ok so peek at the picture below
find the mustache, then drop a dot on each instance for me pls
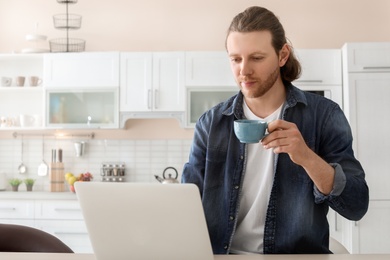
(246, 78)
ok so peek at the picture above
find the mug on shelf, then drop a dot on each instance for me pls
(34, 81)
(26, 120)
(6, 81)
(20, 81)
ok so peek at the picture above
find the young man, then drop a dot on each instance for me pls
(273, 196)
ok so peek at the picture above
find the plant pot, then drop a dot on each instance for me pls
(15, 188)
(29, 187)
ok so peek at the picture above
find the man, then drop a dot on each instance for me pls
(273, 196)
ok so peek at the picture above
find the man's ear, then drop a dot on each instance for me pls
(284, 53)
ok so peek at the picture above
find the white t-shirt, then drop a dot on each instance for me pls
(256, 190)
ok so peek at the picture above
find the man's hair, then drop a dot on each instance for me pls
(257, 18)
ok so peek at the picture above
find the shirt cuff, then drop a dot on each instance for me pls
(338, 184)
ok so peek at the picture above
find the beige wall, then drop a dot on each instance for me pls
(164, 25)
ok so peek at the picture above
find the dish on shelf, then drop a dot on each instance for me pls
(34, 50)
(36, 37)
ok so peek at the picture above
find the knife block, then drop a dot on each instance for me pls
(57, 178)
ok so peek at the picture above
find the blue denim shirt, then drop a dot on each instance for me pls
(296, 216)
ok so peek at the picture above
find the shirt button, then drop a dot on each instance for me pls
(241, 157)
(225, 247)
(236, 187)
(231, 218)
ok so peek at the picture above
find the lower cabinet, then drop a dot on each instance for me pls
(61, 218)
(72, 232)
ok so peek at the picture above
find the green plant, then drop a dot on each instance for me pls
(29, 181)
(15, 182)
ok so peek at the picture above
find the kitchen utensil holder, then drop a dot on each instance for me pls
(67, 22)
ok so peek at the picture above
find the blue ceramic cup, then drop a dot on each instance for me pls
(250, 131)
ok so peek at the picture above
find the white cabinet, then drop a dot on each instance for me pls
(208, 69)
(61, 218)
(20, 100)
(87, 69)
(209, 81)
(82, 108)
(64, 220)
(81, 90)
(152, 82)
(321, 72)
(366, 92)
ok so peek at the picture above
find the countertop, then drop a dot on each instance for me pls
(47, 256)
(37, 195)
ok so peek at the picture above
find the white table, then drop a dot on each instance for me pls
(44, 256)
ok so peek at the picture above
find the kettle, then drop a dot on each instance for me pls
(170, 179)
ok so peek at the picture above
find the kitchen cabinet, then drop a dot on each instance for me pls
(209, 81)
(366, 76)
(20, 100)
(86, 69)
(82, 108)
(61, 218)
(208, 69)
(321, 72)
(64, 220)
(81, 90)
(152, 81)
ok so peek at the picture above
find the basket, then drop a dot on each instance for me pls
(67, 45)
(67, 1)
(67, 21)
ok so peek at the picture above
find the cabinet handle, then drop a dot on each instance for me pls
(309, 81)
(64, 209)
(156, 99)
(377, 68)
(149, 99)
(7, 209)
(335, 222)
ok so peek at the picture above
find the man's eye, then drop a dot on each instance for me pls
(235, 60)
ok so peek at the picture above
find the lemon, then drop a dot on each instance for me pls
(68, 175)
(72, 180)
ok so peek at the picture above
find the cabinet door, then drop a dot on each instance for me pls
(367, 57)
(372, 233)
(152, 82)
(208, 69)
(16, 209)
(168, 81)
(72, 232)
(319, 67)
(368, 107)
(83, 108)
(136, 81)
(59, 209)
(100, 69)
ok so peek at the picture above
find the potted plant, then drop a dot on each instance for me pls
(15, 182)
(29, 183)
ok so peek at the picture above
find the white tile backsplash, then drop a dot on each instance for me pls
(143, 158)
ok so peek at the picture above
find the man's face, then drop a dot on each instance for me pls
(254, 62)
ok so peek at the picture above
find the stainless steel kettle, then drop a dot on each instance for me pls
(170, 179)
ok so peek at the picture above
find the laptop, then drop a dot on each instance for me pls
(144, 221)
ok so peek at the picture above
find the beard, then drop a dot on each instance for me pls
(262, 86)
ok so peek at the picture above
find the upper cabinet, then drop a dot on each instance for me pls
(367, 57)
(81, 90)
(87, 69)
(208, 69)
(319, 66)
(152, 82)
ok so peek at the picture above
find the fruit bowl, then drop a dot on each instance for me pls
(71, 179)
